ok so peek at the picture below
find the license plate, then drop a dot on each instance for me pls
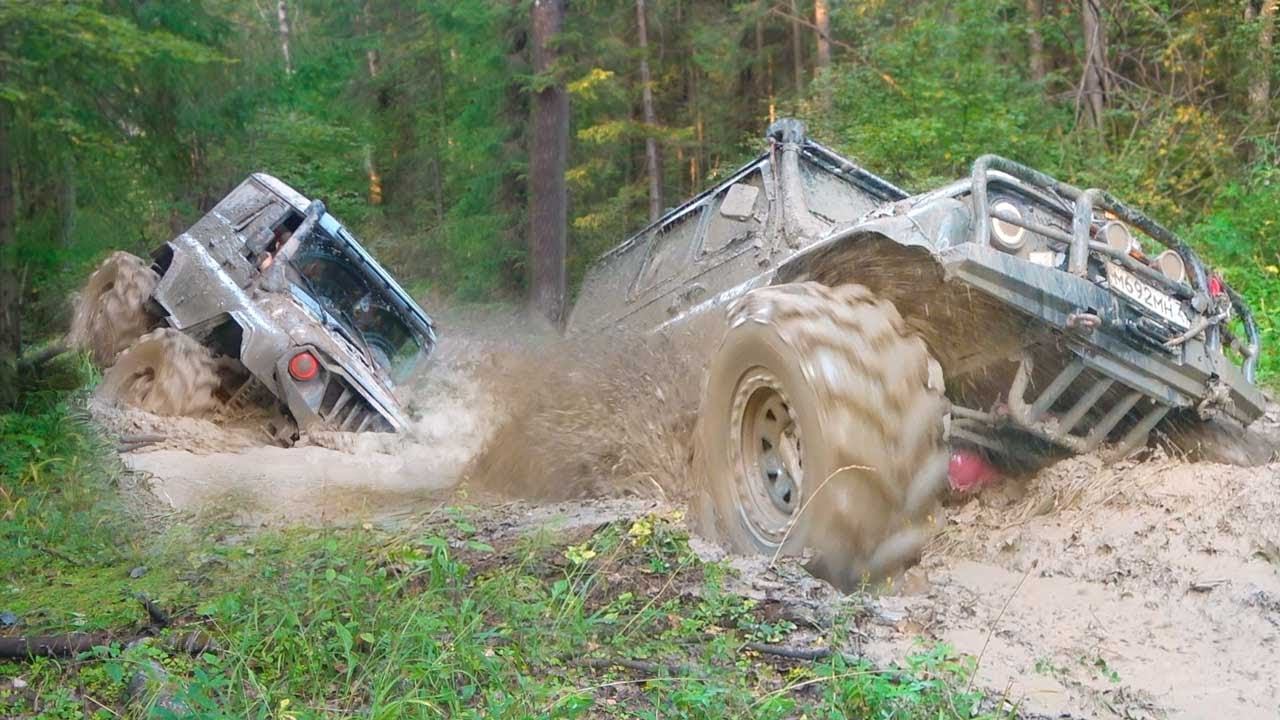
(1128, 285)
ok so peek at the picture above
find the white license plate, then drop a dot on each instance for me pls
(1128, 285)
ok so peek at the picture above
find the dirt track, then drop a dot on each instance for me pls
(1147, 590)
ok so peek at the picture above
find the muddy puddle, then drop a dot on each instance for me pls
(1137, 590)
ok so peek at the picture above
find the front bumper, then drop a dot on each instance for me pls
(1190, 376)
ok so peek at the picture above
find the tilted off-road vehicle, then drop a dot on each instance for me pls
(1057, 317)
(266, 300)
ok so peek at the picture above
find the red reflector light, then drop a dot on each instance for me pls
(304, 366)
(1215, 285)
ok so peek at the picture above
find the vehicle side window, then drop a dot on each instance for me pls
(832, 197)
(670, 250)
(739, 213)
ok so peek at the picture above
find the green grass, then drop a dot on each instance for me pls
(428, 621)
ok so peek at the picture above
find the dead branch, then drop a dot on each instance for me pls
(42, 358)
(637, 665)
(72, 644)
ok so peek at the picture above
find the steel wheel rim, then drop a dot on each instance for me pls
(767, 462)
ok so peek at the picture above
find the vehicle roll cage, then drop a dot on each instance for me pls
(1080, 242)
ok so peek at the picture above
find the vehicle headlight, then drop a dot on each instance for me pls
(1009, 236)
(1118, 237)
(1172, 265)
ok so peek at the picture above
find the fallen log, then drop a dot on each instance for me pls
(72, 644)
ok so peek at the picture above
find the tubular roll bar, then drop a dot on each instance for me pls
(1081, 242)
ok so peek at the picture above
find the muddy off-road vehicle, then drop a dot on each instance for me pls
(874, 338)
(267, 300)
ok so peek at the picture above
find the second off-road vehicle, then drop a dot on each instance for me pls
(870, 331)
(266, 300)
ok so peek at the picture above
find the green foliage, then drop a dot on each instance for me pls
(931, 97)
(1240, 237)
(432, 621)
(409, 118)
(44, 519)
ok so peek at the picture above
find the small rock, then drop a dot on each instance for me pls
(138, 572)
(8, 618)
(18, 683)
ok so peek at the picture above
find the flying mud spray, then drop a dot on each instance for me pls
(501, 411)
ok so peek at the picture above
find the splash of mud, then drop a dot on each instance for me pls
(165, 372)
(228, 467)
(602, 416)
(110, 311)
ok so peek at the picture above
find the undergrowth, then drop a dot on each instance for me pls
(423, 621)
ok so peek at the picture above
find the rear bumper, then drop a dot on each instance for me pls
(1191, 376)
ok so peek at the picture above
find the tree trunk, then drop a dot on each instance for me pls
(374, 66)
(67, 201)
(822, 28)
(548, 197)
(797, 48)
(653, 162)
(1260, 82)
(759, 71)
(282, 13)
(1035, 41)
(10, 299)
(1093, 86)
(371, 56)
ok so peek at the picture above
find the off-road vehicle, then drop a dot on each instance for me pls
(267, 298)
(1056, 316)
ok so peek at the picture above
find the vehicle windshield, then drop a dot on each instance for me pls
(345, 294)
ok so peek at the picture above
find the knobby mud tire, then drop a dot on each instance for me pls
(111, 311)
(165, 372)
(867, 411)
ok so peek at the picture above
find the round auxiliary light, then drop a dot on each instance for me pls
(1118, 237)
(1010, 236)
(1172, 265)
(304, 366)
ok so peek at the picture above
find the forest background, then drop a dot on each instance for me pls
(121, 121)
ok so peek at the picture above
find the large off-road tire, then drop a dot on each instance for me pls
(111, 311)
(165, 372)
(822, 427)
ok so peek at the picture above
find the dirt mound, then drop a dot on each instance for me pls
(1130, 590)
(605, 416)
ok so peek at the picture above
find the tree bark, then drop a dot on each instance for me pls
(1260, 82)
(10, 299)
(758, 73)
(822, 28)
(548, 196)
(652, 159)
(797, 49)
(1093, 86)
(371, 57)
(374, 66)
(1035, 40)
(282, 14)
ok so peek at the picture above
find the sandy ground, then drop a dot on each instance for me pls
(1143, 591)
(1146, 590)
